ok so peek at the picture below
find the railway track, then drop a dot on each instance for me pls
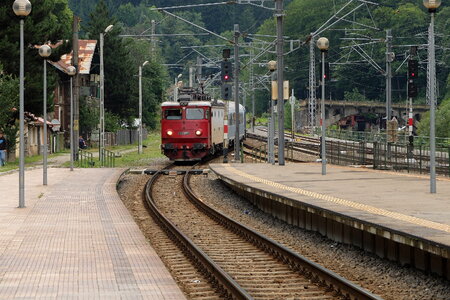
(238, 262)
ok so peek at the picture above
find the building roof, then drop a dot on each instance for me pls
(86, 49)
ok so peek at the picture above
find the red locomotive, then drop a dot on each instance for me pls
(193, 127)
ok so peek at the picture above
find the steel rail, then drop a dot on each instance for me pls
(300, 263)
(225, 283)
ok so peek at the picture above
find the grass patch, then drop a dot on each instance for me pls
(129, 156)
(29, 162)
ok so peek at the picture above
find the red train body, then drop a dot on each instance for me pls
(193, 127)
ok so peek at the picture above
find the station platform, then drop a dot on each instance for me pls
(390, 214)
(75, 239)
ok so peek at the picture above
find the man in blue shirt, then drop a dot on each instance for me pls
(2, 149)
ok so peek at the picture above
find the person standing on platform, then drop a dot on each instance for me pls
(82, 143)
(2, 150)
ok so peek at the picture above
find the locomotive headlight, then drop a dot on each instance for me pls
(169, 132)
(198, 132)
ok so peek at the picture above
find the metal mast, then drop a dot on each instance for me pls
(312, 84)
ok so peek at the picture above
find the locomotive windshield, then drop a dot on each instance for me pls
(172, 114)
(195, 114)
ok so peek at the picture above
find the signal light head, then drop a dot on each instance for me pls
(226, 77)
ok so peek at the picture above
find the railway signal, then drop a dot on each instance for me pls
(412, 75)
(226, 71)
(226, 91)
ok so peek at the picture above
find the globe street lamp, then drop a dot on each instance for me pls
(45, 51)
(432, 6)
(323, 45)
(22, 8)
(272, 66)
(102, 97)
(71, 71)
(140, 106)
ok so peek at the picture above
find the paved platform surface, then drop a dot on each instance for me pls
(75, 240)
(401, 202)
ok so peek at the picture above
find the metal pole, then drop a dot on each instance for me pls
(22, 121)
(102, 103)
(191, 76)
(140, 111)
(312, 85)
(252, 83)
(432, 108)
(272, 125)
(175, 90)
(153, 39)
(236, 92)
(388, 74)
(322, 119)
(44, 179)
(76, 92)
(388, 83)
(71, 124)
(293, 115)
(280, 71)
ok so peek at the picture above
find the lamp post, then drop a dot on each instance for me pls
(175, 89)
(22, 8)
(432, 6)
(71, 71)
(272, 65)
(323, 45)
(45, 51)
(140, 107)
(102, 97)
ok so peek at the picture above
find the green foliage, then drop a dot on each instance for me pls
(354, 96)
(112, 122)
(442, 121)
(117, 63)
(9, 103)
(49, 20)
(89, 116)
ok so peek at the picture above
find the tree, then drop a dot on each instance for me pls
(154, 79)
(117, 63)
(49, 20)
(442, 121)
(9, 103)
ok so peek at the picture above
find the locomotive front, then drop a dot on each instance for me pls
(185, 129)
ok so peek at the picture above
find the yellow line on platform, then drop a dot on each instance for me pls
(343, 202)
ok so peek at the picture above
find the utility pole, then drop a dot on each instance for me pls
(280, 78)
(76, 92)
(237, 142)
(153, 39)
(199, 69)
(191, 76)
(252, 85)
(389, 59)
(312, 84)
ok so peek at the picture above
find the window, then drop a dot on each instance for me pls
(207, 114)
(172, 114)
(194, 114)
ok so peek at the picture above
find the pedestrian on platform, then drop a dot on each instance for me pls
(3, 146)
(82, 143)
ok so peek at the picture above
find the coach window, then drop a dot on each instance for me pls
(195, 114)
(172, 114)
(207, 114)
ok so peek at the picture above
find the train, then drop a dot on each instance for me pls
(194, 126)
